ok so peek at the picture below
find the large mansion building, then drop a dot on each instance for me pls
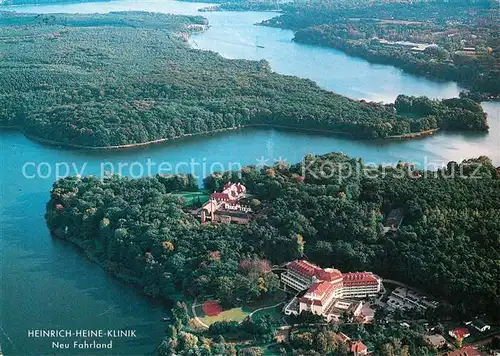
(327, 290)
(226, 206)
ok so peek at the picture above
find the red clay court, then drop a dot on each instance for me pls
(211, 308)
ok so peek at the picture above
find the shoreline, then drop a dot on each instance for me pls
(485, 97)
(206, 133)
(273, 126)
(413, 134)
(118, 147)
(164, 140)
(107, 268)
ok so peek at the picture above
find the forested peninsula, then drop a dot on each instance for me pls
(66, 79)
(447, 244)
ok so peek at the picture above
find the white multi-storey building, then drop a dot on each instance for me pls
(326, 286)
(361, 285)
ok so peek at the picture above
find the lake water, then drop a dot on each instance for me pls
(48, 284)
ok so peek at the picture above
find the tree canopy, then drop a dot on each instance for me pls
(447, 244)
(67, 79)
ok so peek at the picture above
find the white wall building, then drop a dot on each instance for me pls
(326, 286)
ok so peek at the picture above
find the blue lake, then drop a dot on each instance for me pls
(48, 284)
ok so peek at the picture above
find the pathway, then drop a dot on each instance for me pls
(193, 310)
(264, 308)
(397, 283)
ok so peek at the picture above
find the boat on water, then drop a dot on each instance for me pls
(162, 319)
(259, 46)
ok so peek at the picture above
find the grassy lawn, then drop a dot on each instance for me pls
(272, 312)
(240, 313)
(190, 197)
(234, 314)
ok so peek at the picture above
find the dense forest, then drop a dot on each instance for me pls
(333, 212)
(457, 41)
(68, 79)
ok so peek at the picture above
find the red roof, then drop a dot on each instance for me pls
(358, 346)
(220, 196)
(310, 270)
(343, 337)
(240, 188)
(461, 332)
(304, 268)
(329, 275)
(464, 351)
(359, 278)
(320, 289)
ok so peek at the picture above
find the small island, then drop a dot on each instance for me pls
(66, 80)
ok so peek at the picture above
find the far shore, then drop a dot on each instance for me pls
(413, 134)
(163, 140)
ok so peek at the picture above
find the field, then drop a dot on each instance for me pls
(241, 312)
(234, 314)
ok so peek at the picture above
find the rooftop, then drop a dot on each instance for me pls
(341, 306)
(304, 268)
(329, 274)
(460, 332)
(318, 290)
(358, 346)
(216, 196)
(435, 340)
(343, 337)
(310, 270)
(360, 277)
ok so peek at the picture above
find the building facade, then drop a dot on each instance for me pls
(226, 207)
(326, 287)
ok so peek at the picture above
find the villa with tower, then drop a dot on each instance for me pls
(226, 206)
